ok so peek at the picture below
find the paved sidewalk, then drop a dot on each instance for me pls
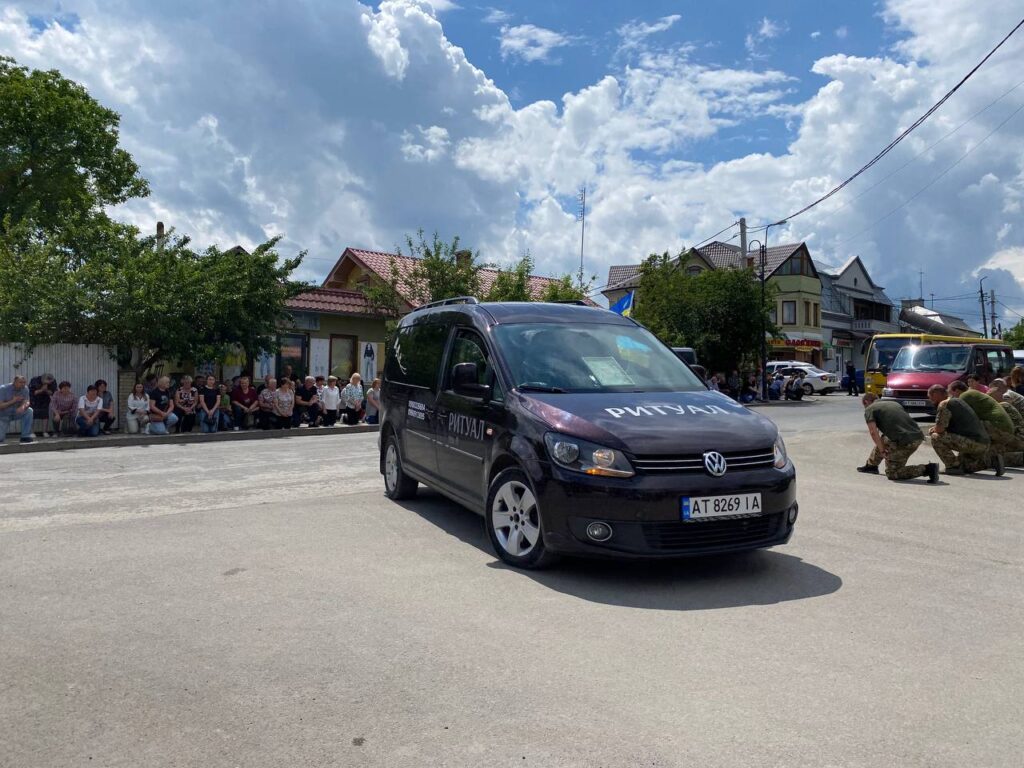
(120, 439)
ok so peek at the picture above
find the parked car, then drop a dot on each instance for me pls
(816, 381)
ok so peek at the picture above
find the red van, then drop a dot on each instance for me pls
(916, 368)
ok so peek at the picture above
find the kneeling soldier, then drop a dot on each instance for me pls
(994, 419)
(958, 436)
(896, 437)
(999, 391)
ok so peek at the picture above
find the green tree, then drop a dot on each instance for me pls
(442, 271)
(566, 288)
(718, 312)
(60, 162)
(1015, 336)
(513, 284)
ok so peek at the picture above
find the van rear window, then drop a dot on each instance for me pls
(416, 354)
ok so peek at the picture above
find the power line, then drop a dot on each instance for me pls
(927, 149)
(910, 129)
(934, 180)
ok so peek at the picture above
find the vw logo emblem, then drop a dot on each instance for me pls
(715, 463)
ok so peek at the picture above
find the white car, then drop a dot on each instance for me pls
(816, 381)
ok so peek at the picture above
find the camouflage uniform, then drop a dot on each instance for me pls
(1013, 453)
(973, 454)
(896, 465)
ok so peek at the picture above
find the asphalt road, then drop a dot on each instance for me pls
(262, 604)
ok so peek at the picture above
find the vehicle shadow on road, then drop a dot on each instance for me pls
(763, 577)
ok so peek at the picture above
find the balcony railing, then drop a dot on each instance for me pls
(875, 326)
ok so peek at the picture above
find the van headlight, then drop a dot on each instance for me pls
(780, 453)
(588, 458)
(888, 392)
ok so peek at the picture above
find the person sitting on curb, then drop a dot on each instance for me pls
(208, 401)
(15, 405)
(352, 399)
(896, 436)
(995, 420)
(161, 408)
(284, 404)
(958, 437)
(90, 409)
(63, 407)
(245, 404)
(138, 410)
(266, 400)
(107, 415)
(307, 404)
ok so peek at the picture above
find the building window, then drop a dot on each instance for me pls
(693, 270)
(789, 313)
(817, 315)
(773, 315)
(808, 317)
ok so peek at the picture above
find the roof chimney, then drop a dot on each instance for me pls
(160, 229)
(463, 258)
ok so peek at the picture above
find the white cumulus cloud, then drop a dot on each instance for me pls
(530, 43)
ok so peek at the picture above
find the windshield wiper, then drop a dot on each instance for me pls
(531, 387)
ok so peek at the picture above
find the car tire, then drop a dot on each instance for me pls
(512, 517)
(397, 484)
(808, 389)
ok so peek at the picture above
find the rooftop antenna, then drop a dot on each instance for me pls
(581, 217)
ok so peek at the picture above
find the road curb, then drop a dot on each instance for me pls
(118, 441)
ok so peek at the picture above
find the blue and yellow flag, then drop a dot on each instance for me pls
(623, 306)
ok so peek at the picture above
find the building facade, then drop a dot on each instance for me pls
(790, 274)
(854, 308)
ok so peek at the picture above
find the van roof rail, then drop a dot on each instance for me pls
(445, 302)
(577, 302)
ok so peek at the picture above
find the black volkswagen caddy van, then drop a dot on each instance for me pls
(574, 430)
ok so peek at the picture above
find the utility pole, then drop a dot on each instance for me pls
(743, 236)
(920, 285)
(981, 296)
(992, 297)
(583, 227)
(933, 301)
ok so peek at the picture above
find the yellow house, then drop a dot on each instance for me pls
(789, 271)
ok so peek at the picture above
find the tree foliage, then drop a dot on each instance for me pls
(442, 271)
(513, 284)
(566, 288)
(719, 312)
(68, 273)
(1015, 336)
(60, 162)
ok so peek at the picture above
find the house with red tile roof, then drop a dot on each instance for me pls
(337, 332)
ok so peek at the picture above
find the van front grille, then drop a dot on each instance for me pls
(735, 460)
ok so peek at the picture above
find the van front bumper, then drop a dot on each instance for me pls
(644, 512)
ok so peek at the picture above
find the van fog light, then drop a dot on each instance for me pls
(599, 531)
(793, 512)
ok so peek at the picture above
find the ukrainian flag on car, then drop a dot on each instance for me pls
(623, 306)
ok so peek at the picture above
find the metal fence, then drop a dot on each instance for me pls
(80, 364)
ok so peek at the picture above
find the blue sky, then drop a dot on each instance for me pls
(337, 123)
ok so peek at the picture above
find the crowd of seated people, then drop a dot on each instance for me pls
(155, 406)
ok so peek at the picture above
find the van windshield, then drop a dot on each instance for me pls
(931, 357)
(591, 358)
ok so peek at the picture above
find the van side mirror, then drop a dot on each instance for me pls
(884, 370)
(465, 382)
